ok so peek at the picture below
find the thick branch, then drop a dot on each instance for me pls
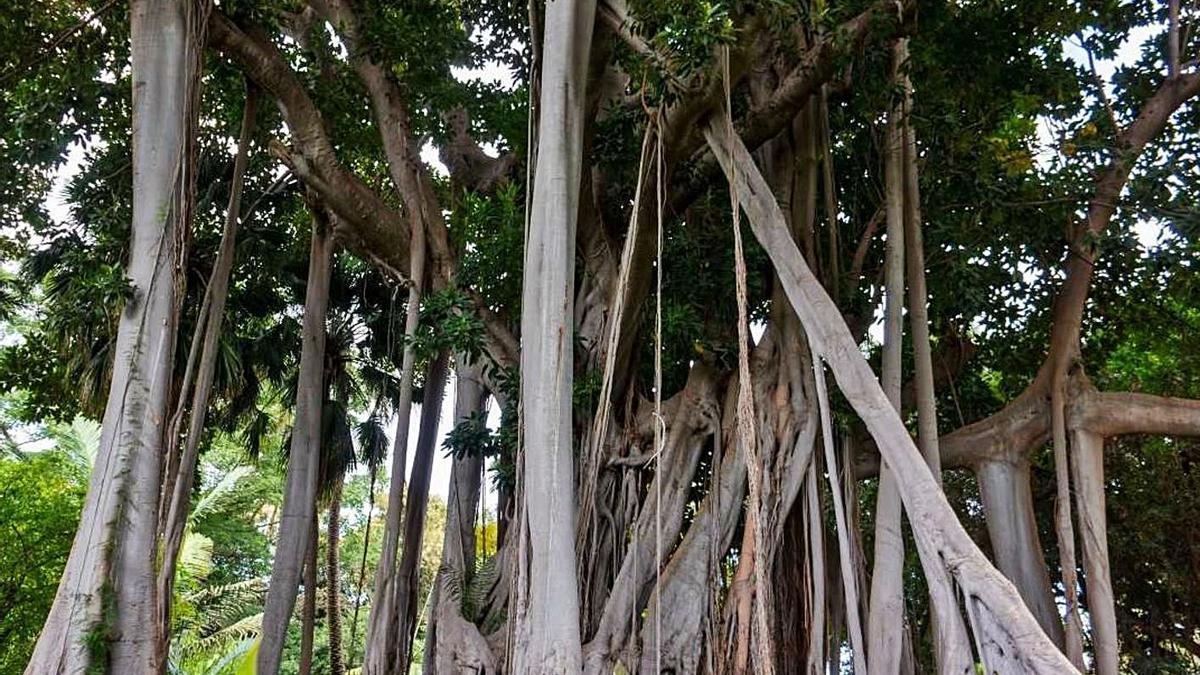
(379, 230)
(816, 67)
(1114, 414)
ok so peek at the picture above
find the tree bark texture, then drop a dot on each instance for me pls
(1010, 638)
(548, 624)
(105, 615)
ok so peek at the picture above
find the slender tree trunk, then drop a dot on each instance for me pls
(300, 491)
(362, 565)
(548, 639)
(814, 524)
(215, 295)
(886, 619)
(308, 612)
(333, 575)
(1093, 525)
(382, 621)
(1063, 522)
(104, 616)
(952, 646)
(847, 553)
(407, 577)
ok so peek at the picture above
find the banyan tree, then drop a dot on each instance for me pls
(802, 317)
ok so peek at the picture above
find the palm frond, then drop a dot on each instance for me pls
(195, 556)
(372, 442)
(337, 443)
(212, 498)
(79, 440)
(246, 628)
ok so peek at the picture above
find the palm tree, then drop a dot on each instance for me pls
(216, 627)
(350, 378)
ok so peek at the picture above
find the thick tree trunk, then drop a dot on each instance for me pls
(333, 576)
(1007, 633)
(300, 491)
(407, 575)
(694, 417)
(210, 326)
(104, 616)
(548, 622)
(1004, 487)
(685, 586)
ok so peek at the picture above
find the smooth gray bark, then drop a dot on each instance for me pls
(300, 491)
(381, 621)
(1004, 488)
(548, 637)
(104, 616)
(886, 618)
(453, 644)
(952, 646)
(1088, 468)
(416, 505)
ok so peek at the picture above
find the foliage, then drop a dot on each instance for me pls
(41, 495)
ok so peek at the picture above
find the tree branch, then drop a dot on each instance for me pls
(1117, 413)
(379, 229)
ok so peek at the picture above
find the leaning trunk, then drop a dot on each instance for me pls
(308, 611)
(548, 638)
(300, 492)
(210, 325)
(1009, 638)
(407, 578)
(104, 615)
(333, 592)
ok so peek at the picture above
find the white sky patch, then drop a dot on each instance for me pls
(439, 483)
(1150, 233)
(56, 201)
